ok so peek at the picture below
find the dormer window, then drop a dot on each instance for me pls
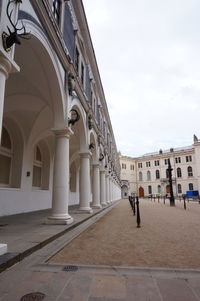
(56, 9)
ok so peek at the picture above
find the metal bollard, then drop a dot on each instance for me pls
(138, 212)
(184, 202)
(134, 206)
(164, 200)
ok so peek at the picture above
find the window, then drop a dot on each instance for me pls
(123, 166)
(156, 163)
(132, 167)
(148, 164)
(190, 172)
(56, 9)
(157, 174)
(159, 189)
(178, 160)
(191, 186)
(5, 158)
(179, 188)
(139, 165)
(76, 60)
(166, 161)
(188, 158)
(140, 176)
(148, 175)
(179, 173)
(149, 189)
(37, 168)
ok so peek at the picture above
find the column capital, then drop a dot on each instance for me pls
(96, 165)
(7, 64)
(64, 132)
(102, 171)
(85, 155)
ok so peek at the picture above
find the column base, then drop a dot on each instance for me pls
(84, 210)
(59, 219)
(104, 204)
(96, 206)
(3, 249)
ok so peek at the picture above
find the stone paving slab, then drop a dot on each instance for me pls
(26, 233)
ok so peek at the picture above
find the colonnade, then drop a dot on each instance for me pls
(104, 189)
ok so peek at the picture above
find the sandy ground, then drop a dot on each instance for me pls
(168, 237)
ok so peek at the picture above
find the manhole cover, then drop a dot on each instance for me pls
(70, 268)
(33, 297)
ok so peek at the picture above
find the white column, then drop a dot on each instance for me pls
(85, 183)
(5, 68)
(61, 179)
(107, 189)
(102, 188)
(109, 184)
(96, 187)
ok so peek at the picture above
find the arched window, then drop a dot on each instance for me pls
(140, 176)
(148, 175)
(179, 188)
(5, 158)
(179, 173)
(159, 189)
(157, 174)
(37, 168)
(190, 172)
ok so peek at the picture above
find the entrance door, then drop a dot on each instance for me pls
(141, 192)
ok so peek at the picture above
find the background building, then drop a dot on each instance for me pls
(148, 175)
(57, 143)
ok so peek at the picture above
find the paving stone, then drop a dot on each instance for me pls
(194, 284)
(108, 286)
(142, 289)
(78, 288)
(175, 290)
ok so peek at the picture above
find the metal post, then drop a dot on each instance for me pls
(138, 212)
(134, 206)
(172, 202)
(184, 202)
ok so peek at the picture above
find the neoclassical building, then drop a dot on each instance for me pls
(57, 144)
(148, 174)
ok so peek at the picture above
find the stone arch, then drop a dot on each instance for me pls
(79, 139)
(35, 96)
(94, 151)
(124, 190)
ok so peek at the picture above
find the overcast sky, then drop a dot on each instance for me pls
(148, 54)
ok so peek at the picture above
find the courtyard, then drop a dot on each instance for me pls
(168, 238)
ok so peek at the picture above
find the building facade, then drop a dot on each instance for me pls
(147, 175)
(57, 143)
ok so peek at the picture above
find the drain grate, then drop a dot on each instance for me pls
(70, 268)
(33, 297)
